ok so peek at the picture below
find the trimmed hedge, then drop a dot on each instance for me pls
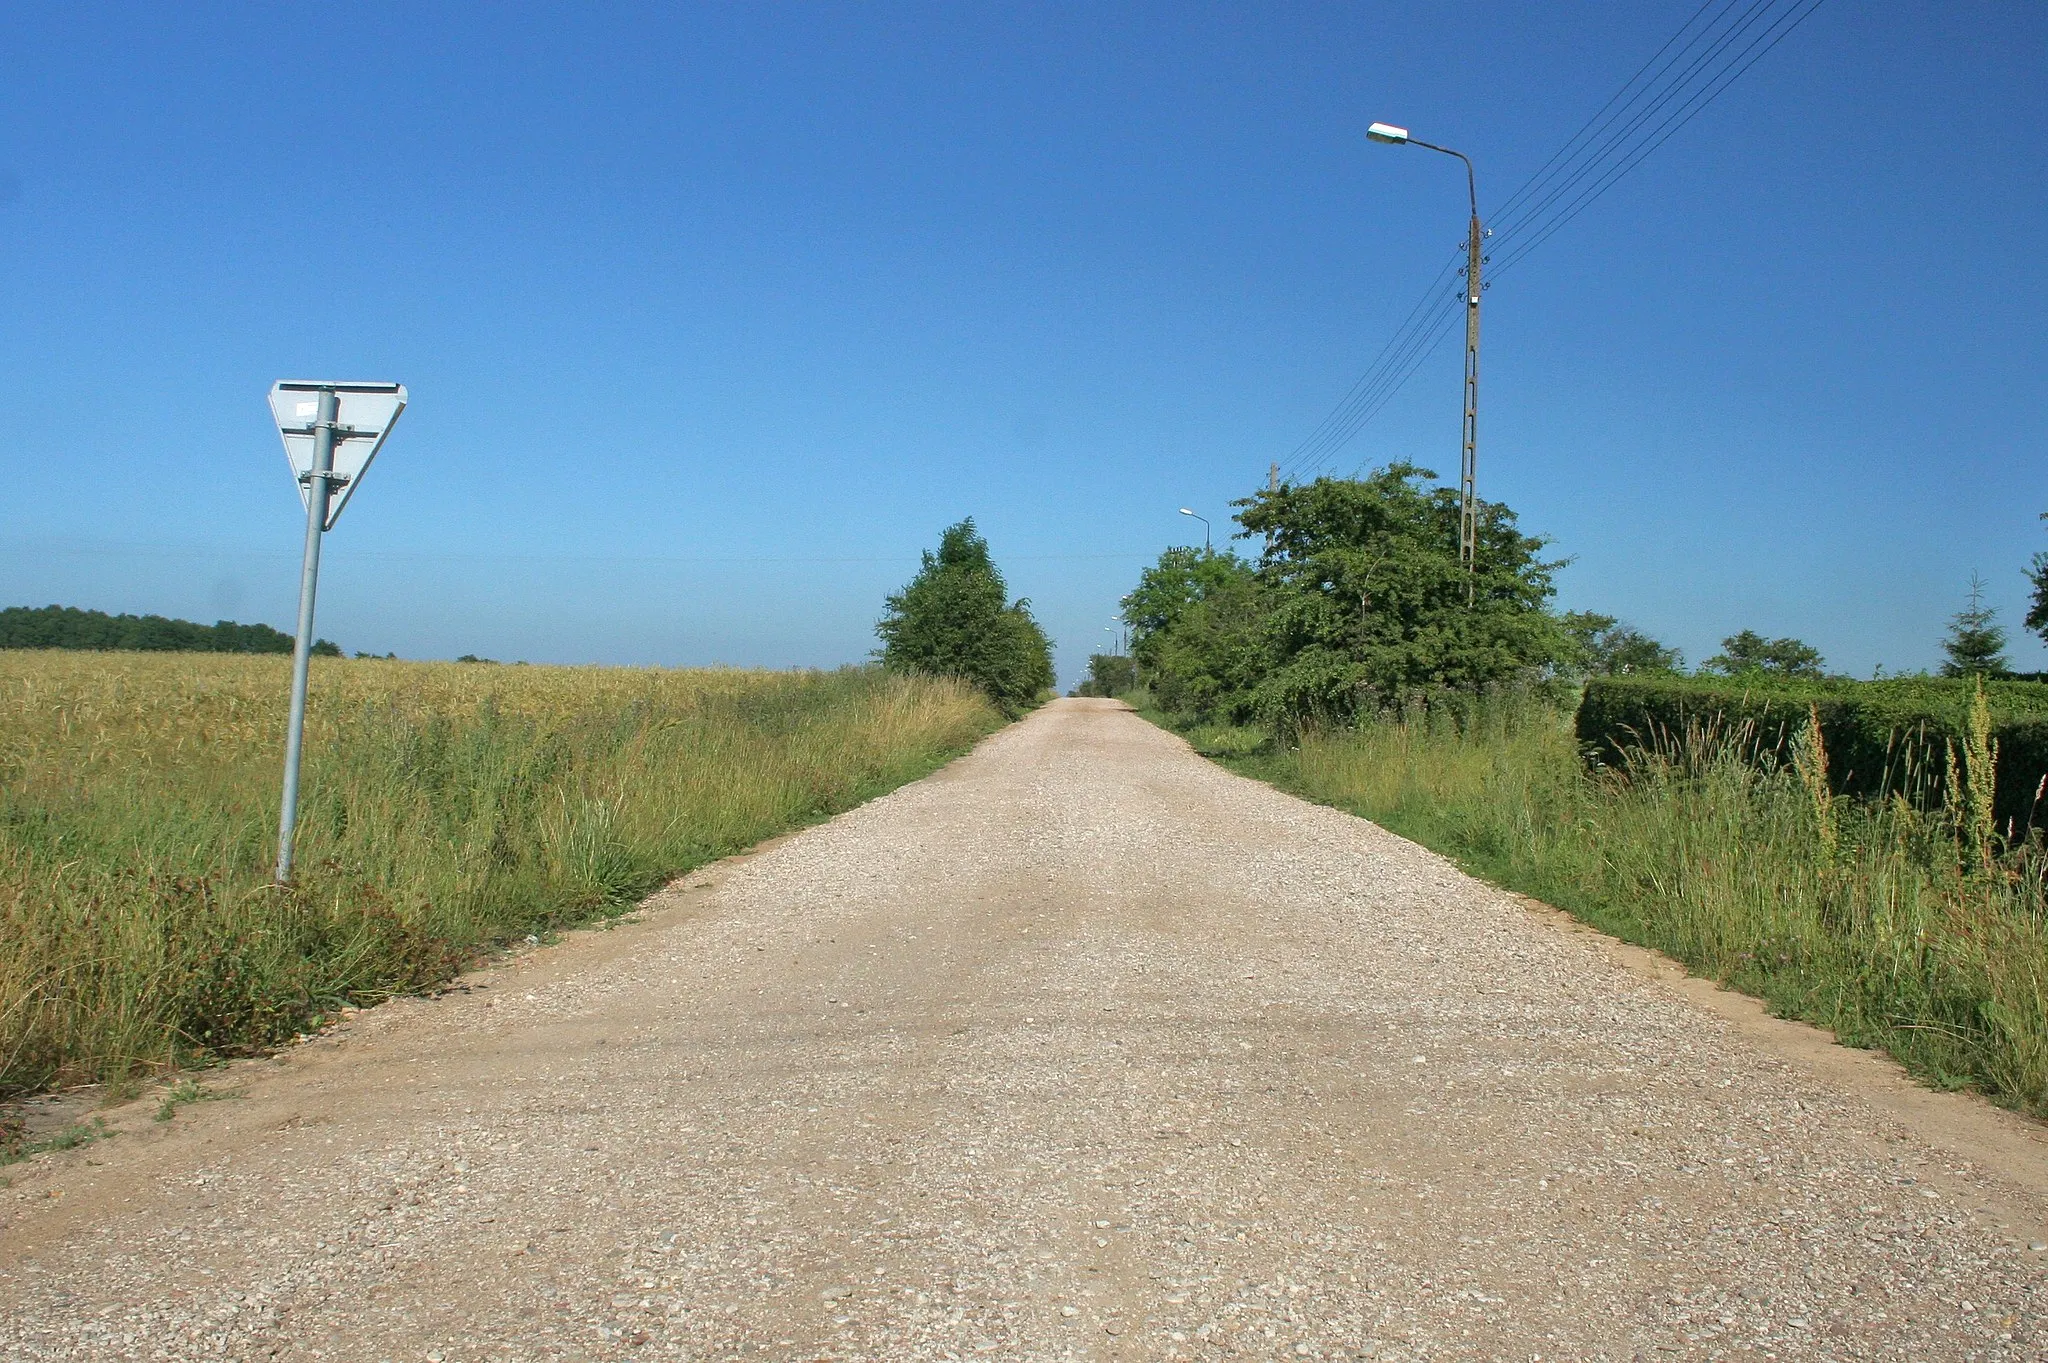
(1881, 736)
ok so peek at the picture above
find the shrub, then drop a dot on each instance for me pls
(1747, 654)
(1370, 603)
(1359, 601)
(952, 621)
(1109, 674)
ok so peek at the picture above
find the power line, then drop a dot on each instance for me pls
(1636, 120)
(1331, 431)
(1610, 156)
(1597, 117)
(1598, 143)
(1750, 56)
(1424, 329)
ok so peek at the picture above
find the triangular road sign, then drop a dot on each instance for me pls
(368, 411)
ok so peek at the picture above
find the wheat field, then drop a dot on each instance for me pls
(446, 808)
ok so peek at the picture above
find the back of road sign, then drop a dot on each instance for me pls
(368, 411)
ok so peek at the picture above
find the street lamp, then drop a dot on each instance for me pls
(1468, 510)
(1205, 527)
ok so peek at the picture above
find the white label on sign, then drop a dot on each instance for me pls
(364, 417)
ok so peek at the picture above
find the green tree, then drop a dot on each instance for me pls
(1213, 659)
(1749, 652)
(1368, 601)
(1976, 642)
(1166, 590)
(1109, 674)
(2037, 612)
(1607, 647)
(955, 619)
(1198, 631)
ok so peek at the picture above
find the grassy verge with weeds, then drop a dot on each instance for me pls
(15, 1146)
(184, 1093)
(1908, 929)
(446, 809)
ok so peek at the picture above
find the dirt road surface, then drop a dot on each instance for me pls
(1082, 1048)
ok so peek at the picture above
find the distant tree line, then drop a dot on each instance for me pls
(70, 627)
(1359, 602)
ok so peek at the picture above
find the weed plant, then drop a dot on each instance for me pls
(445, 809)
(15, 1146)
(1898, 927)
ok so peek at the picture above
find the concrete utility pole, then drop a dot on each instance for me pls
(1475, 257)
(1272, 486)
(1468, 509)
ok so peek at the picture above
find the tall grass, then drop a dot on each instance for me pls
(445, 808)
(1898, 927)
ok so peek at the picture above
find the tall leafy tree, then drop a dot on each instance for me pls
(1368, 601)
(955, 619)
(1169, 588)
(1746, 652)
(1608, 647)
(1109, 674)
(1975, 645)
(1212, 650)
(1198, 631)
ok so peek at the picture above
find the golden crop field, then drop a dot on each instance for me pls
(446, 807)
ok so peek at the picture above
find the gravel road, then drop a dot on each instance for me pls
(1082, 1048)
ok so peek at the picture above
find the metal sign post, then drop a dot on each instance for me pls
(328, 455)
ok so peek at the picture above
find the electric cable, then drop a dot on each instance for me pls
(1609, 142)
(1604, 149)
(1312, 446)
(1661, 136)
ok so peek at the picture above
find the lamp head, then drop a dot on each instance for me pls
(1387, 132)
(1185, 512)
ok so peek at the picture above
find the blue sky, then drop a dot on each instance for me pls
(713, 316)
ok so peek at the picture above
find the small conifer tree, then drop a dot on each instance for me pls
(1976, 642)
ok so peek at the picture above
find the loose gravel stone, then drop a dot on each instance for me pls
(1081, 1048)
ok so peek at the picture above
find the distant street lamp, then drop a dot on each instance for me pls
(1205, 527)
(1468, 513)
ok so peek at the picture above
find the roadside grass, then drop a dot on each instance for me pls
(1877, 920)
(446, 809)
